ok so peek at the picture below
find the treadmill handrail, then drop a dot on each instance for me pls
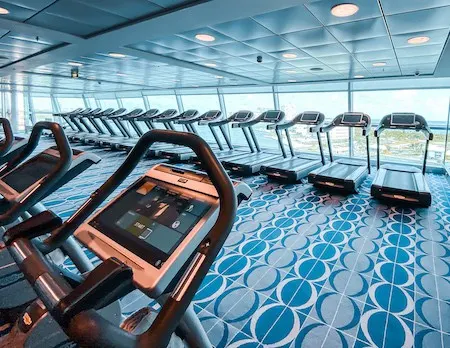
(421, 126)
(8, 141)
(81, 325)
(60, 169)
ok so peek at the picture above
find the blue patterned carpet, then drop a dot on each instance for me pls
(310, 269)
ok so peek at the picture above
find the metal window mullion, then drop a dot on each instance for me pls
(350, 109)
(446, 133)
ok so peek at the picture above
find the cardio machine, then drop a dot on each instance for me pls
(10, 145)
(23, 184)
(402, 183)
(345, 174)
(297, 166)
(250, 163)
(160, 235)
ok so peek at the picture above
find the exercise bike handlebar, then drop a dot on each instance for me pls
(81, 326)
(9, 137)
(60, 169)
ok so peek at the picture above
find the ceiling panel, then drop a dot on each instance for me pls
(244, 29)
(64, 25)
(237, 49)
(313, 37)
(325, 50)
(436, 37)
(322, 11)
(219, 38)
(288, 20)
(360, 30)
(432, 19)
(148, 46)
(130, 9)
(270, 44)
(393, 7)
(378, 43)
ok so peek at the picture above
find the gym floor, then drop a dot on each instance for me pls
(306, 268)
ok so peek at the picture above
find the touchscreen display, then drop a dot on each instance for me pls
(153, 216)
(272, 115)
(30, 172)
(310, 117)
(241, 116)
(403, 119)
(349, 118)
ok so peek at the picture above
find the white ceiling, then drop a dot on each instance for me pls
(158, 37)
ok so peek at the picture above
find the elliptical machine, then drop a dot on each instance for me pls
(160, 235)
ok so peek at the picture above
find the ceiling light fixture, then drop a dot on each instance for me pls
(74, 64)
(316, 69)
(289, 55)
(116, 55)
(218, 77)
(344, 10)
(378, 64)
(211, 65)
(291, 72)
(120, 74)
(3, 11)
(358, 76)
(292, 80)
(418, 40)
(195, 86)
(205, 37)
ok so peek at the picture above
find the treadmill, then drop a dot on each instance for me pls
(107, 120)
(402, 183)
(345, 174)
(111, 141)
(296, 166)
(135, 122)
(214, 122)
(250, 163)
(156, 151)
(83, 119)
(66, 117)
(75, 121)
(10, 145)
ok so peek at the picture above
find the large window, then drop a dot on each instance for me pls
(69, 104)
(133, 103)
(405, 145)
(329, 103)
(42, 108)
(162, 102)
(258, 103)
(202, 103)
(109, 103)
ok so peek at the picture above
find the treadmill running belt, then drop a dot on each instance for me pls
(400, 180)
(290, 164)
(339, 171)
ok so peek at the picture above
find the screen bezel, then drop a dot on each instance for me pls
(315, 120)
(143, 250)
(275, 119)
(347, 122)
(403, 124)
(247, 115)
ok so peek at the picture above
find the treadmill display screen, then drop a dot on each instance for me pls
(403, 119)
(30, 172)
(240, 116)
(151, 220)
(272, 115)
(352, 118)
(310, 117)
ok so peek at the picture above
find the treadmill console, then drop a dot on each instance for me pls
(403, 120)
(273, 116)
(155, 225)
(211, 115)
(167, 113)
(351, 119)
(310, 117)
(242, 116)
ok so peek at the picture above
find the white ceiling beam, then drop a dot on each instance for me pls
(443, 66)
(166, 24)
(33, 30)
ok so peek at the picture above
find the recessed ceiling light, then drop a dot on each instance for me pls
(418, 40)
(358, 76)
(120, 74)
(211, 65)
(289, 55)
(218, 77)
(195, 86)
(74, 64)
(316, 69)
(344, 10)
(378, 64)
(116, 55)
(205, 37)
(291, 72)
(292, 80)
(3, 11)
